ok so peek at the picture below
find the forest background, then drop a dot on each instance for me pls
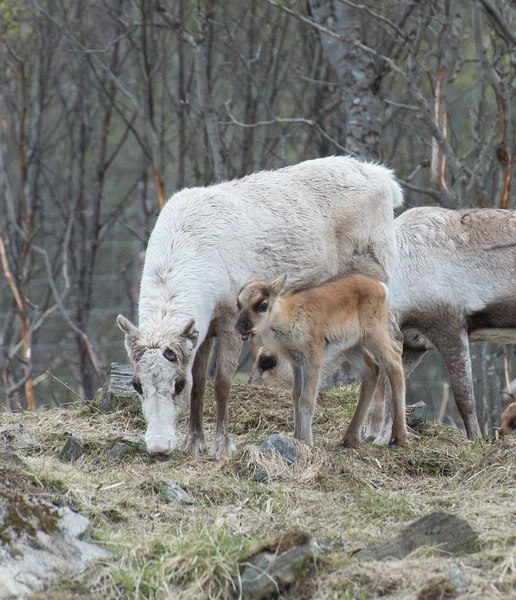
(109, 107)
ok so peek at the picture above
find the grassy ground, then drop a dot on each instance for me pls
(344, 499)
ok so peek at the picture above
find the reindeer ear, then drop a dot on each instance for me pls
(251, 279)
(278, 284)
(126, 325)
(189, 332)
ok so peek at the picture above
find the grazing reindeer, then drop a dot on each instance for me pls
(315, 218)
(447, 289)
(347, 315)
(508, 420)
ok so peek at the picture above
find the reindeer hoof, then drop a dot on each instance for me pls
(222, 447)
(349, 442)
(195, 444)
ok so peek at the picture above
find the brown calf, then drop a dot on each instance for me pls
(508, 420)
(349, 314)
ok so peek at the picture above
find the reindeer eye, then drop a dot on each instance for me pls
(137, 385)
(170, 355)
(179, 384)
(267, 362)
(263, 307)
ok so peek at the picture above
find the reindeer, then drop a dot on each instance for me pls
(348, 315)
(448, 288)
(315, 219)
(508, 420)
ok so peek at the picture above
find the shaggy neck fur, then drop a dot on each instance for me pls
(179, 280)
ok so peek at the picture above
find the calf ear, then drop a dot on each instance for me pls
(278, 284)
(189, 333)
(126, 325)
(251, 279)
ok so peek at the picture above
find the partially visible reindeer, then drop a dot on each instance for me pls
(508, 420)
(313, 219)
(348, 315)
(447, 289)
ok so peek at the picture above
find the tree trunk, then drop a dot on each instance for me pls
(364, 109)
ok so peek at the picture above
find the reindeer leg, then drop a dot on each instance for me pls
(195, 441)
(310, 375)
(452, 343)
(296, 395)
(369, 373)
(227, 362)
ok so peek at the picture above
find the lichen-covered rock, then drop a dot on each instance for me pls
(284, 446)
(118, 392)
(72, 450)
(416, 414)
(276, 565)
(17, 437)
(173, 493)
(447, 532)
(38, 540)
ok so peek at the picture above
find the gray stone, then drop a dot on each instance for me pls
(15, 437)
(260, 476)
(11, 458)
(276, 566)
(455, 576)
(284, 446)
(416, 414)
(173, 493)
(118, 392)
(449, 533)
(72, 450)
(119, 450)
(38, 540)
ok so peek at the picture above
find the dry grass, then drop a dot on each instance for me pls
(344, 499)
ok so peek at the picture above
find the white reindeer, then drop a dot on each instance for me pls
(447, 289)
(314, 220)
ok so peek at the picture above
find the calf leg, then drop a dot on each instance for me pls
(195, 441)
(311, 372)
(227, 362)
(296, 395)
(452, 343)
(369, 372)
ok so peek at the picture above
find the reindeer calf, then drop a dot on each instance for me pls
(508, 420)
(349, 314)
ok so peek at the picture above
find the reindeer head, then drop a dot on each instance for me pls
(255, 302)
(271, 369)
(162, 377)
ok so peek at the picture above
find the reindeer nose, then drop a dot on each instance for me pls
(243, 325)
(158, 444)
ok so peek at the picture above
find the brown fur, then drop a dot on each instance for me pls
(508, 420)
(352, 312)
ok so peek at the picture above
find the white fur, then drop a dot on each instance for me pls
(308, 220)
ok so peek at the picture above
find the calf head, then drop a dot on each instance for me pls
(162, 377)
(255, 302)
(271, 369)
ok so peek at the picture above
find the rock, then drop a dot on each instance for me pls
(13, 459)
(275, 566)
(260, 476)
(118, 392)
(15, 437)
(284, 446)
(72, 450)
(416, 415)
(173, 493)
(455, 576)
(39, 541)
(451, 534)
(119, 450)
